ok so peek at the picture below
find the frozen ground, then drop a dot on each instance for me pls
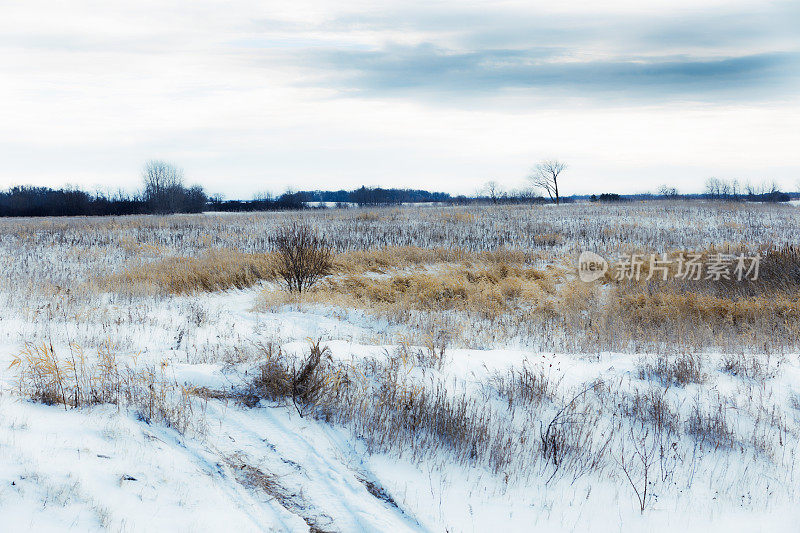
(265, 468)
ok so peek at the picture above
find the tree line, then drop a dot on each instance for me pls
(164, 191)
(721, 189)
(363, 196)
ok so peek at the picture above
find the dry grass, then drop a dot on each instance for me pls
(504, 294)
(386, 409)
(619, 315)
(652, 408)
(512, 295)
(526, 386)
(761, 314)
(389, 410)
(213, 271)
(73, 381)
(488, 289)
(750, 366)
(451, 278)
(680, 370)
(415, 265)
(385, 259)
(711, 427)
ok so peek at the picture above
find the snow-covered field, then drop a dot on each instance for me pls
(572, 440)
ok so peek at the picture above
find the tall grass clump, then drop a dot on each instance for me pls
(71, 380)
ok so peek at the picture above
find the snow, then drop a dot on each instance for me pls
(98, 469)
(267, 468)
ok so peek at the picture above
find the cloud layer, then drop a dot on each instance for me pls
(252, 96)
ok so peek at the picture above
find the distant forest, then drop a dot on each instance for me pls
(364, 196)
(42, 201)
(164, 193)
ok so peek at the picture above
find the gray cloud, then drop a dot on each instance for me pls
(429, 69)
(740, 26)
(750, 52)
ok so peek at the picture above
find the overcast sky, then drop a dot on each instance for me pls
(250, 96)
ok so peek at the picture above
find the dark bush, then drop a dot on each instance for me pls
(303, 256)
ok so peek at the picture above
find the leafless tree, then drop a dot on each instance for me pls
(303, 256)
(492, 188)
(667, 192)
(716, 188)
(732, 189)
(163, 184)
(545, 176)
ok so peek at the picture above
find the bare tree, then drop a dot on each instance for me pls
(668, 192)
(303, 256)
(492, 188)
(545, 176)
(773, 187)
(163, 183)
(713, 188)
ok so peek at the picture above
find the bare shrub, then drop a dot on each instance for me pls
(637, 457)
(651, 408)
(310, 380)
(273, 379)
(303, 256)
(710, 427)
(570, 437)
(307, 383)
(678, 370)
(526, 386)
(750, 366)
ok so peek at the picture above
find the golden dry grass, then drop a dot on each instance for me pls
(490, 289)
(385, 259)
(766, 308)
(213, 271)
(530, 291)
(71, 379)
(224, 269)
(607, 314)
